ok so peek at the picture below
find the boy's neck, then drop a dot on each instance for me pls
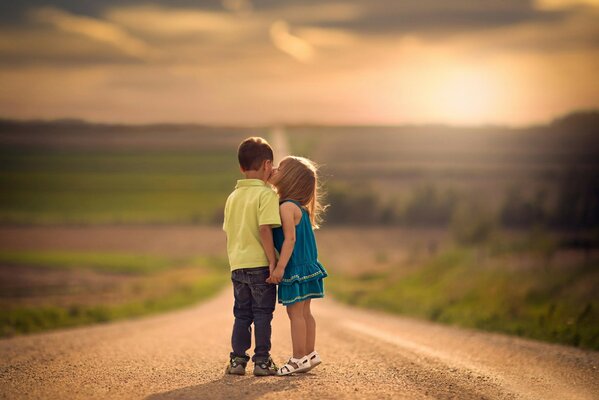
(254, 175)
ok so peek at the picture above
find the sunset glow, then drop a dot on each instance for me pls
(300, 62)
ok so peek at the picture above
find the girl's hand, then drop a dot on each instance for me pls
(276, 276)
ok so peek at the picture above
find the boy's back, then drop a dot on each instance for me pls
(250, 205)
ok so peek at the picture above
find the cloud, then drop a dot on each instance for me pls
(545, 5)
(316, 12)
(577, 32)
(296, 47)
(95, 29)
(43, 46)
(238, 6)
(173, 22)
(326, 38)
(434, 17)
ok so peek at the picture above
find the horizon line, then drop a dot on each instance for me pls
(83, 121)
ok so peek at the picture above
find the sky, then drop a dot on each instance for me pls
(265, 62)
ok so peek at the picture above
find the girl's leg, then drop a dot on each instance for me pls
(298, 329)
(310, 327)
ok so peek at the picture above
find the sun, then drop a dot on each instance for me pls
(466, 95)
(439, 83)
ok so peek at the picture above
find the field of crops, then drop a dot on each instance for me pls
(87, 174)
(117, 176)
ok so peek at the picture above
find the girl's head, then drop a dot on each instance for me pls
(296, 178)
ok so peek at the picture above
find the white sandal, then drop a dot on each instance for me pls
(314, 359)
(294, 365)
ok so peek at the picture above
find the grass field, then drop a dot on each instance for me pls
(78, 173)
(90, 187)
(521, 293)
(49, 289)
(519, 283)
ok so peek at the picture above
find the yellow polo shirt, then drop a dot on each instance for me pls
(252, 203)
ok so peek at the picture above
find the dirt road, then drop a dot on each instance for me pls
(366, 354)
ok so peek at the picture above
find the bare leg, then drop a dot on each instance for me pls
(298, 329)
(310, 328)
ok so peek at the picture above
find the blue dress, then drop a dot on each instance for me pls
(303, 275)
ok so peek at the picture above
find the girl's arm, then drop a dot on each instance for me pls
(288, 222)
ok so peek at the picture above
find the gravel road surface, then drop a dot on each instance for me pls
(366, 355)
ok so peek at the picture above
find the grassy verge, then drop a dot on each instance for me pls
(103, 262)
(468, 288)
(140, 285)
(37, 319)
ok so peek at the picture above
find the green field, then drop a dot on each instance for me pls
(77, 288)
(79, 173)
(91, 187)
(56, 173)
(515, 292)
(139, 264)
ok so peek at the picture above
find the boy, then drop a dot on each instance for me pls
(250, 213)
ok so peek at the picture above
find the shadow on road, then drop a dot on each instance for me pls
(232, 387)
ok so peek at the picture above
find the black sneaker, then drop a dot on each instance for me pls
(236, 366)
(265, 368)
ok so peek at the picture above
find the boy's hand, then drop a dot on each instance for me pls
(271, 268)
(276, 276)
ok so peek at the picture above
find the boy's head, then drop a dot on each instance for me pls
(254, 154)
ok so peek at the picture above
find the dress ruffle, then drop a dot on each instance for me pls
(301, 282)
(301, 273)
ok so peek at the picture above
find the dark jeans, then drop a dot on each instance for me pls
(254, 303)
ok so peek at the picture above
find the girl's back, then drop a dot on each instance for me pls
(304, 251)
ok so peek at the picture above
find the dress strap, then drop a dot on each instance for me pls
(293, 201)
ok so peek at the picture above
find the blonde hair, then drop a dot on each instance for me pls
(298, 181)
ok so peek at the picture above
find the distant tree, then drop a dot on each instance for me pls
(429, 207)
(354, 205)
(518, 212)
(579, 121)
(578, 200)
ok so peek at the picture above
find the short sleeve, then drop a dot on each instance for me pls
(225, 214)
(268, 211)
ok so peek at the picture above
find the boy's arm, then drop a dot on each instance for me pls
(268, 217)
(268, 246)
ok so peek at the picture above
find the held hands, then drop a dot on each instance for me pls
(276, 276)
(271, 268)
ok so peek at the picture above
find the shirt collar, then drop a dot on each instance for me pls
(249, 182)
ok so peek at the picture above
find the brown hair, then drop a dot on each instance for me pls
(298, 180)
(252, 152)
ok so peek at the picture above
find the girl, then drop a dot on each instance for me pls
(298, 272)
